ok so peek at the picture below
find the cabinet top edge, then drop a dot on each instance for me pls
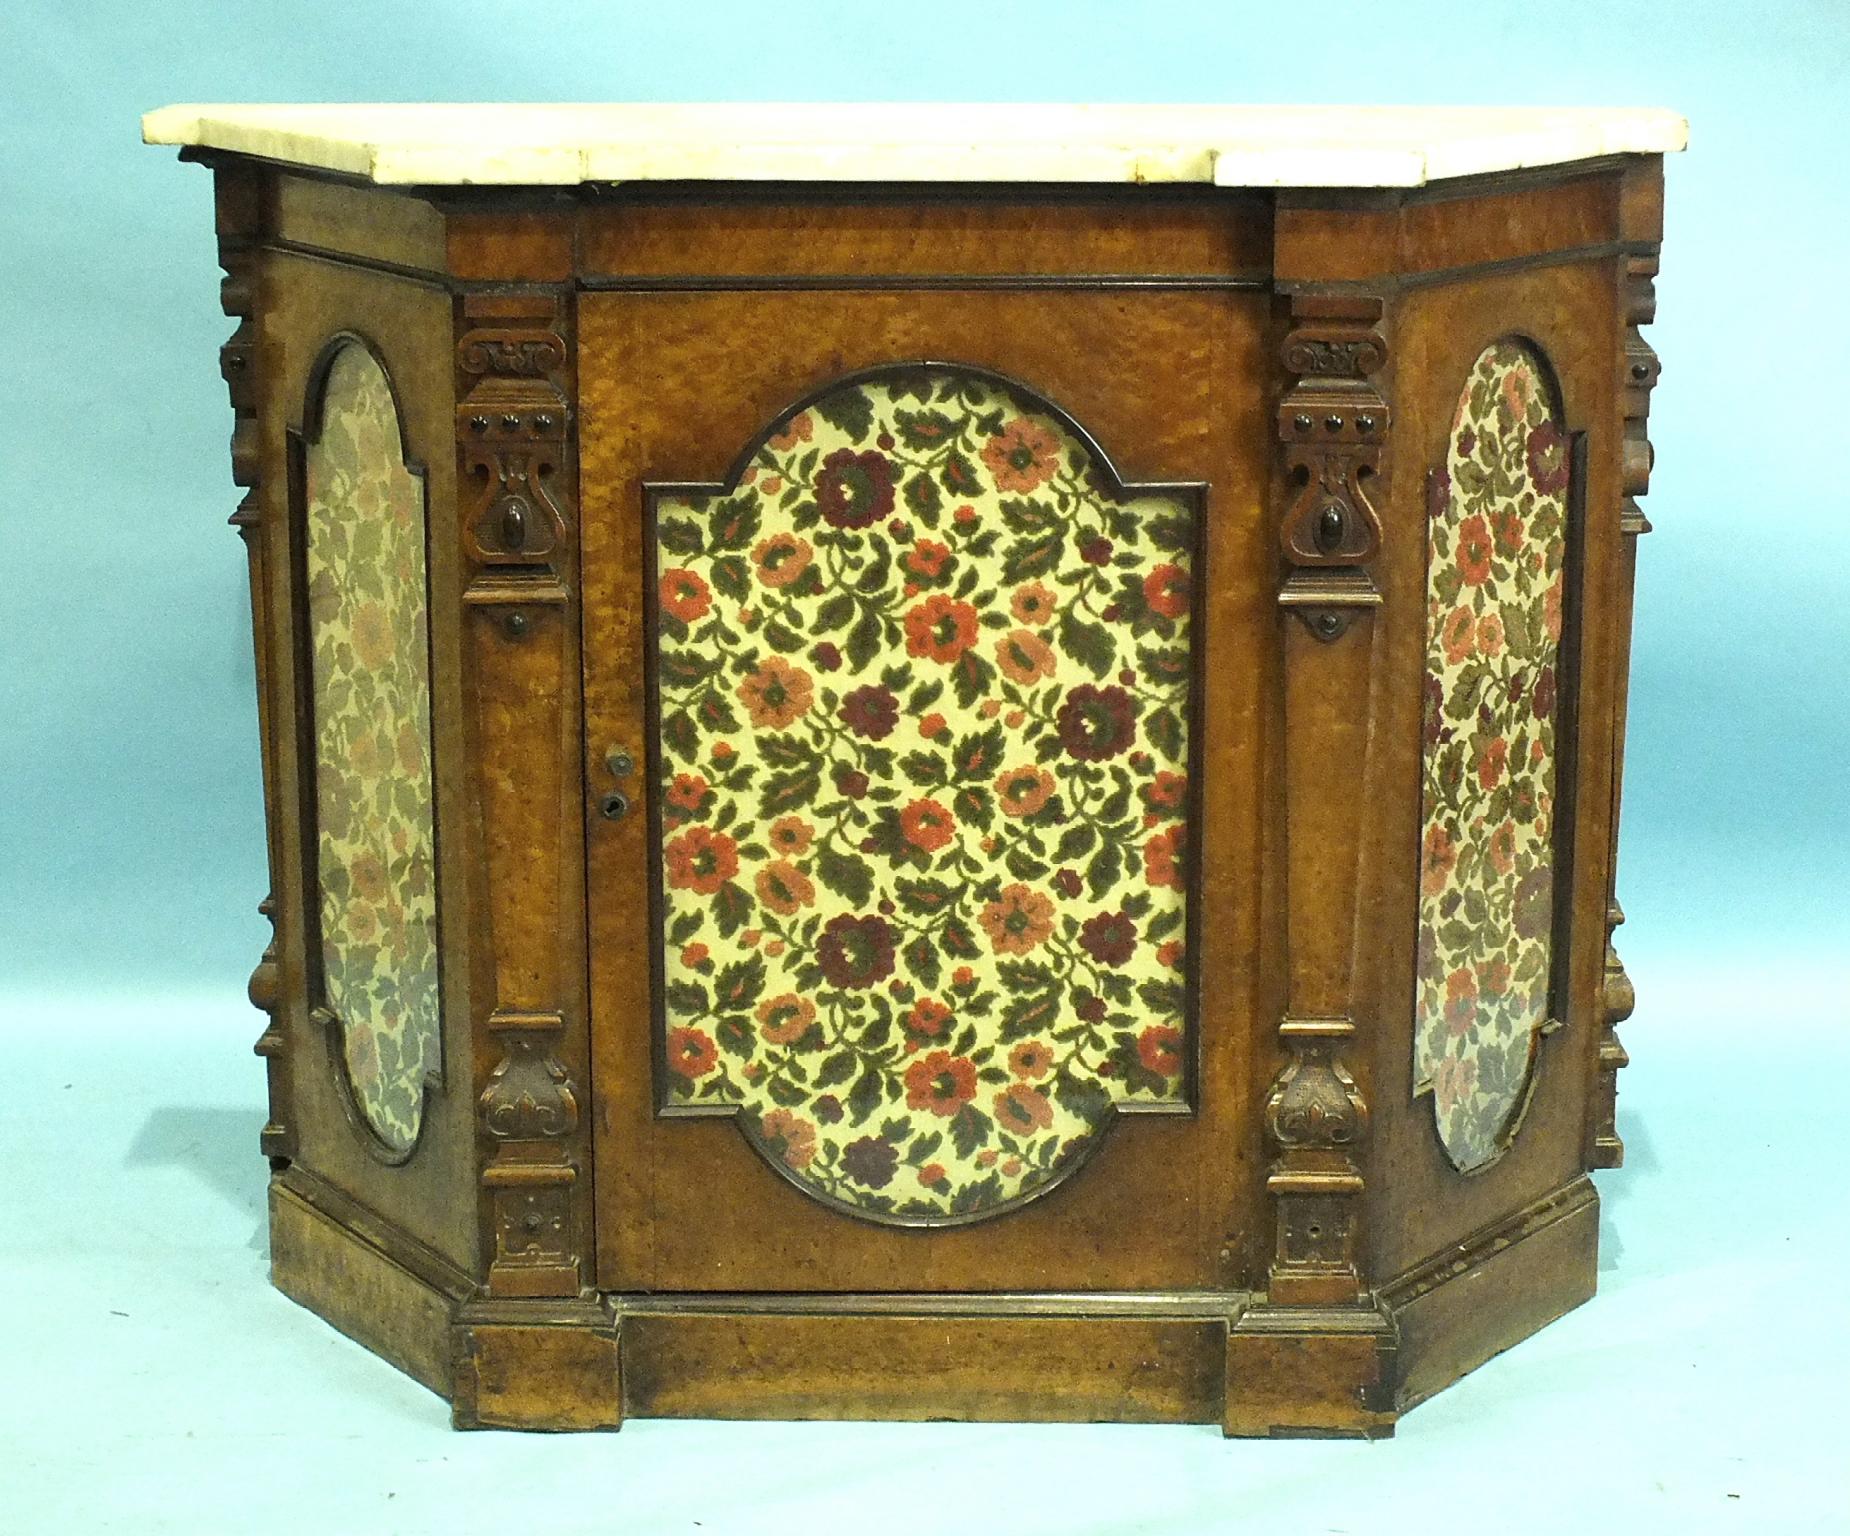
(507, 144)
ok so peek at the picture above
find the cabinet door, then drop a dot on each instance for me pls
(926, 639)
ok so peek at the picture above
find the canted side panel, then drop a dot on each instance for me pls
(409, 1166)
(373, 959)
(1498, 529)
(684, 1201)
(922, 779)
(1432, 1026)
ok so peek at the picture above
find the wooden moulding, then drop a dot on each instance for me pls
(1137, 1357)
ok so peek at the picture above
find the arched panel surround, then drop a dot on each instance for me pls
(923, 673)
(374, 923)
(1498, 555)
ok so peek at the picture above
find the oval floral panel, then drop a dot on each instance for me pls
(1497, 543)
(924, 687)
(375, 838)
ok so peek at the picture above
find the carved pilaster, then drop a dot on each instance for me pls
(1333, 429)
(1314, 1115)
(514, 425)
(1641, 215)
(237, 198)
(529, 1111)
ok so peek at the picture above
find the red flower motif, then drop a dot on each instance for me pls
(927, 559)
(687, 792)
(870, 711)
(940, 629)
(1159, 1048)
(1024, 656)
(856, 952)
(1023, 791)
(870, 1162)
(691, 1052)
(1096, 723)
(1167, 790)
(781, 559)
(926, 825)
(789, 835)
(1017, 921)
(1166, 591)
(1162, 856)
(783, 1020)
(1474, 550)
(1031, 1059)
(685, 595)
(1033, 604)
(796, 430)
(700, 861)
(928, 1017)
(1491, 760)
(1438, 856)
(940, 1083)
(1542, 700)
(1456, 636)
(853, 489)
(788, 1137)
(1507, 525)
(1022, 1109)
(1109, 937)
(783, 888)
(1503, 848)
(1460, 1000)
(1548, 459)
(1023, 456)
(775, 693)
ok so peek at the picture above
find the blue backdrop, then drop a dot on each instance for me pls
(130, 851)
(1699, 1392)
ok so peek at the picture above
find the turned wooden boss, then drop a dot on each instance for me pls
(968, 755)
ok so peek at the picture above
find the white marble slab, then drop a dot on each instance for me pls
(561, 145)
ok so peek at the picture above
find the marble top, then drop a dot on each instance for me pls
(562, 145)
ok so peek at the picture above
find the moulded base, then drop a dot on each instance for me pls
(1224, 1358)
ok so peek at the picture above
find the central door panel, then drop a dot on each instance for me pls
(927, 634)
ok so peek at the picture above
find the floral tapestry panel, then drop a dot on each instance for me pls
(924, 681)
(1497, 541)
(376, 866)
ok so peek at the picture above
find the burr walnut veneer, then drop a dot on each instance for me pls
(938, 762)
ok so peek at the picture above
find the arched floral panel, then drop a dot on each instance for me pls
(1496, 584)
(924, 696)
(364, 556)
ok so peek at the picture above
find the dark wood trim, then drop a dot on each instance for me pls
(1224, 1306)
(936, 282)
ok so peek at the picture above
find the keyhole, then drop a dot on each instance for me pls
(1331, 526)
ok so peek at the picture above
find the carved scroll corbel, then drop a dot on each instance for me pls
(1639, 370)
(528, 1110)
(236, 194)
(512, 426)
(1314, 1115)
(1333, 424)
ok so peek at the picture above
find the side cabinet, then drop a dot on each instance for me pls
(1000, 802)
